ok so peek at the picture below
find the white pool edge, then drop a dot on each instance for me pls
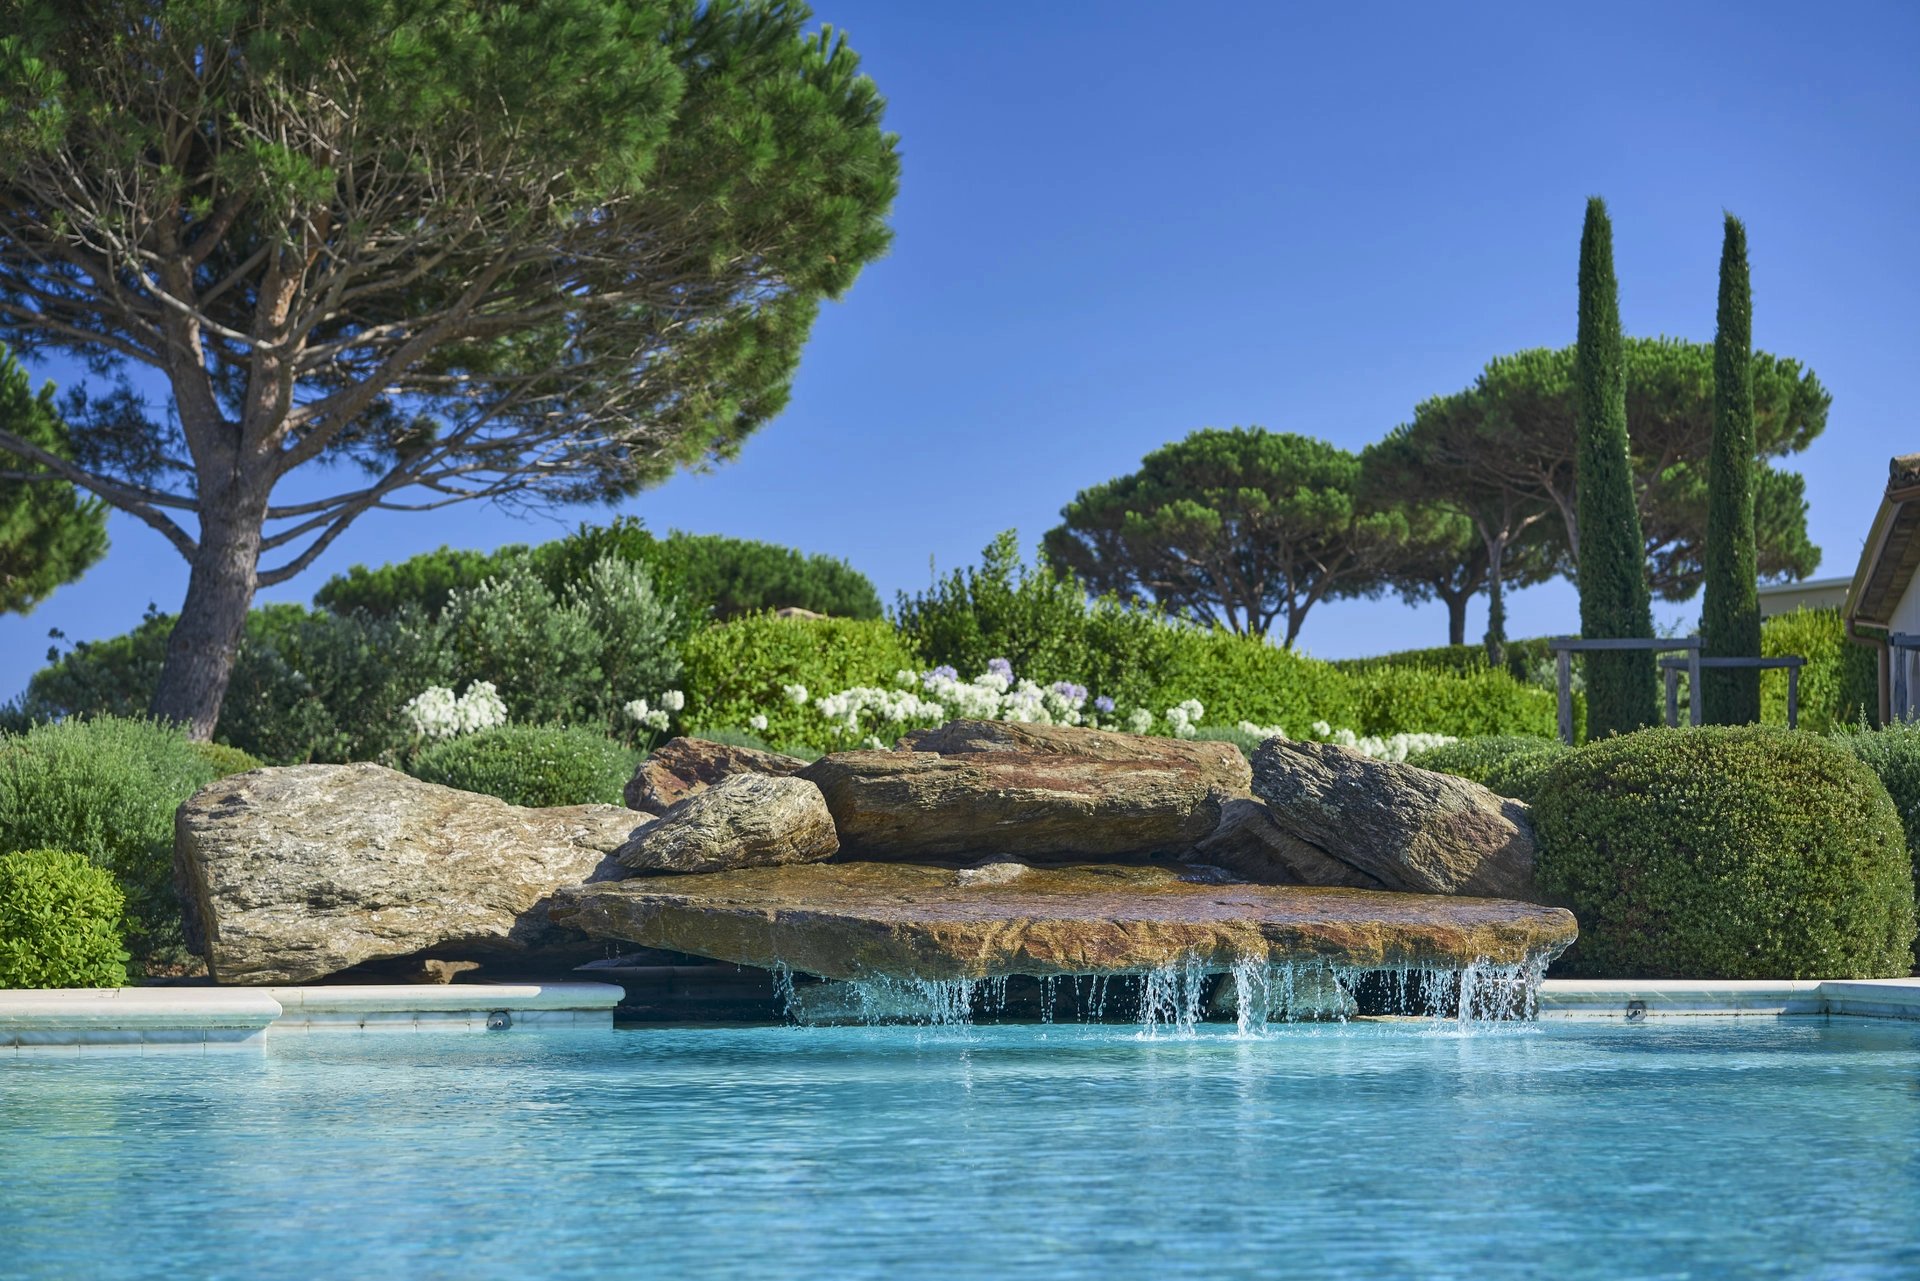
(1636, 999)
(177, 1020)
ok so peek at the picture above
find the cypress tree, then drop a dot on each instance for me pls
(1622, 688)
(1730, 621)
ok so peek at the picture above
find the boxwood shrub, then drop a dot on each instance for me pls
(60, 922)
(1725, 853)
(1510, 764)
(106, 788)
(1893, 754)
(531, 765)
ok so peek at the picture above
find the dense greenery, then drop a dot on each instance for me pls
(548, 251)
(49, 533)
(1622, 688)
(728, 577)
(1840, 682)
(1240, 529)
(531, 765)
(1725, 852)
(1893, 754)
(1510, 764)
(739, 670)
(106, 788)
(1730, 619)
(60, 921)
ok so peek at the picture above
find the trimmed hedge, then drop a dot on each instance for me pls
(226, 760)
(107, 788)
(1523, 658)
(531, 765)
(1510, 764)
(1893, 754)
(60, 920)
(1728, 853)
(1838, 686)
(735, 671)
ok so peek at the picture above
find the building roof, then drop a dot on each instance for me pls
(1802, 593)
(1891, 557)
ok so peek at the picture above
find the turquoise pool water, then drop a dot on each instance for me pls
(1693, 1148)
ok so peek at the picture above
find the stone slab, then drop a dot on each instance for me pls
(857, 920)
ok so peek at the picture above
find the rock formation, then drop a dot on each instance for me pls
(1411, 829)
(682, 766)
(918, 805)
(1221, 763)
(1251, 845)
(746, 820)
(293, 874)
(860, 920)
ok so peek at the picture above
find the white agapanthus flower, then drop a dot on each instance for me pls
(796, 694)
(436, 713)
(673, 700)
(1140, 721)
(1261, 731)
(1184, 718)
(757, 723)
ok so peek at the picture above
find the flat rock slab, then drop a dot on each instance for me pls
(1220, 763)
(683, 767)
(862, 920)
(297, 873)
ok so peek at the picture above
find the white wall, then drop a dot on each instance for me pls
(1906, 662)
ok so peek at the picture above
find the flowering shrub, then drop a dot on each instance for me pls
(658, 718)
(435, 712)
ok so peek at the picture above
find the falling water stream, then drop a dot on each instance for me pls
(1175, 999)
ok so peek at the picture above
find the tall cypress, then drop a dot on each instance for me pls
(1622, 687)
(1730, 621)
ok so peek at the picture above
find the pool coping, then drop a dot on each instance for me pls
(153, 1020)
(202, 1019)
(1635, 999)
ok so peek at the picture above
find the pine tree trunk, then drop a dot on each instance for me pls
(1457, 616)
(206, 639)
(1623, 687)
(1730, 617)
(1496, 639)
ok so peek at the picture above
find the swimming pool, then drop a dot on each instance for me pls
(1693, 1147)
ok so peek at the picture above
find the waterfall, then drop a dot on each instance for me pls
(1176, 998)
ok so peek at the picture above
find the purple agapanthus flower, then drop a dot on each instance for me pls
(943, 673)
(1000, 667)
(1075, 694)
(1104, 705)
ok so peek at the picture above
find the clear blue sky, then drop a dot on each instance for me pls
(1120, 221)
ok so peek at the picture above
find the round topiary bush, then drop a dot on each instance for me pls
(1893, 753)
(226, 760)
(1725, 853)
(1510, 764)
(531, 765)
(60, 921)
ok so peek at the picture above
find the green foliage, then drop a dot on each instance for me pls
(1893, 754)
(1523, 658)
(60, 919)
(424, 581)
(1510, 764)
(1237, 528)
(1622, 688)
(735, 576)
(49, 534)
(1413, 700)
(107, 788)
(1726, 853)
(1839, 685)
(734, 737)
(226, 760)
(1730, 620)
(1242, 678)
(736, 670)
(531, 765)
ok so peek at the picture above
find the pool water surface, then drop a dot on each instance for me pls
(1677, 1148)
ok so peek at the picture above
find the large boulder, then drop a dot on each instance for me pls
(1410, 829)
(682, 766)
(867, 920)
(294, 874)
(1250, 844)
(915, 805)
(747, 820)
(1221, 763)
